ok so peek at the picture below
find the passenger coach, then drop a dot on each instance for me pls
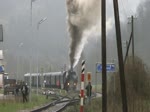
(50, 80)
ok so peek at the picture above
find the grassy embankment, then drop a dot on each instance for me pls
(95, 106)
(137, 77)
(15, 104)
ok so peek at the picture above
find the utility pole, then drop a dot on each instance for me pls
(131, 38)
(120, 57)
(104, 75)
(132, 31)
(132, 23)
(30, 79)
(128, 46)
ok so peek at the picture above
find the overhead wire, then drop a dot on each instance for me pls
(131, 11)
(123, 8)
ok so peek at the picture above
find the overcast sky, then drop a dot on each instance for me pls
(51, 41)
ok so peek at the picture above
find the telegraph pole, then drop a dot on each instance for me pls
(120, 57)
(30, 79)
(131, 38)
(132, 23)
(128, 46)
(104, 75)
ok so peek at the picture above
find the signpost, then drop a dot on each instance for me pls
(1, 69)
(110, 67)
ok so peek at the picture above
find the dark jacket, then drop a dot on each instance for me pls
(24, 89)
(88, 90)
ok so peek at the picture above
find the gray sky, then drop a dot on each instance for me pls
(51, 41)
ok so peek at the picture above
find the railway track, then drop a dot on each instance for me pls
(59, 104)
(62, 105)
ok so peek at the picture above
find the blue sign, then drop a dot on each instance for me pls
(1, 69)
(109, 67)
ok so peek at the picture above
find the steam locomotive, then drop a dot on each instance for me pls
(63, 80)
(71, 80)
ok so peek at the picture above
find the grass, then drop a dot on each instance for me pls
(95, 106)
(15, 106)
(137, 78)
(137, 88)
(137, 105)
(1, 91)
(98, 87)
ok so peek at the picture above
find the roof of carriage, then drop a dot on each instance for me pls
(45, 74)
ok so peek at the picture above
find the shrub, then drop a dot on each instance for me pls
(137, 79)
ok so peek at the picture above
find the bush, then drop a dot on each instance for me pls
(137, 79)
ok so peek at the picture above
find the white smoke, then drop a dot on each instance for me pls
(83, 20)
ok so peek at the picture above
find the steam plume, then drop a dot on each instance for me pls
(83, 15)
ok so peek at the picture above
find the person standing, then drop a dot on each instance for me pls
(24, 90)
(89, 92)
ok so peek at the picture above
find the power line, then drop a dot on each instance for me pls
(131, 11)
(123, 7)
